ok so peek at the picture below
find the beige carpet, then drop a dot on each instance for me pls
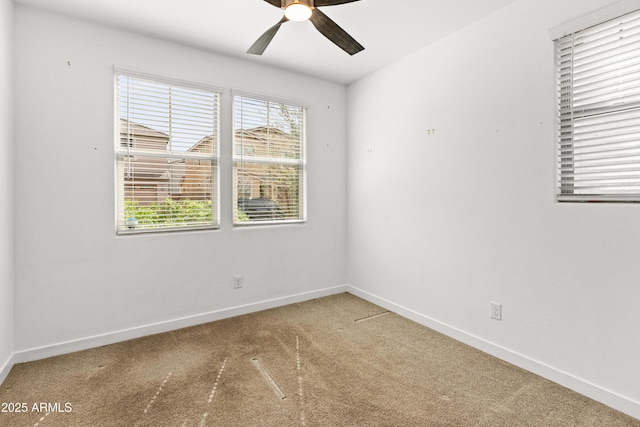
(335, 361)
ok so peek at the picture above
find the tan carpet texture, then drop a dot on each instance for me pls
(334, 361)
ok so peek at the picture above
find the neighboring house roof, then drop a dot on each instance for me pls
(141, 131)
(260, 133)
(205, 145)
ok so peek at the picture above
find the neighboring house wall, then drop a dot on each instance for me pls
(452, 205)
(195, 182)
(146, 179)
(6, 186)
(75, 278)
(261, 142)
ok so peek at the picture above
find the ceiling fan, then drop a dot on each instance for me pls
(301, 10)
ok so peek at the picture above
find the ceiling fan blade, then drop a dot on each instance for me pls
(263, 41)
(333, 32)
(276, 3)
(320, 3)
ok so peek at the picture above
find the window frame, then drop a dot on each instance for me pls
(127, 150)
(578, 161)
(239, 154)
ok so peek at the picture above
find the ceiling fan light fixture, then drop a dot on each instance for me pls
(298, 12)
(301, 10)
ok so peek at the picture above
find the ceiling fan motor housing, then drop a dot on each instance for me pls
(286, 3)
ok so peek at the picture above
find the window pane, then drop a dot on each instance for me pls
(598, 78)
(165, 192)
(167, 156)
(268, 161)
(267, 192)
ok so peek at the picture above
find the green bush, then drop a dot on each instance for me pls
(169, 213)
(242, 216)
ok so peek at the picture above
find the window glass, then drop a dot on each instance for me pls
(166, 155)
(598, 73)
(269, 161)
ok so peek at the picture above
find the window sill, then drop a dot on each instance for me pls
(156, 231)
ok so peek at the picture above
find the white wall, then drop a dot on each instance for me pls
(441, 224)
(6, 185)
(74, 278)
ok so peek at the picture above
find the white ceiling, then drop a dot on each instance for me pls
(388, 29)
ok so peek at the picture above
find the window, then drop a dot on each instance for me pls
(166, 155)
(598, 72)
(268, 162)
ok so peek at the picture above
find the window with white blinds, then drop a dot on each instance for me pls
(167, 139)
(268, 161)
(598, 72)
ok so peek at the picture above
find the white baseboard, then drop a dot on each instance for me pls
(166, 326)
(586, 388)
(6, 368)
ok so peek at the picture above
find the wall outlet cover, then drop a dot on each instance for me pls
(496, 311)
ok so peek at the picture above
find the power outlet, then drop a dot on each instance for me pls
(237, 282)
(496, 311)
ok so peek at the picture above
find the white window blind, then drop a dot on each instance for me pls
(598, 72)
(167, 155)
(268, 161)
